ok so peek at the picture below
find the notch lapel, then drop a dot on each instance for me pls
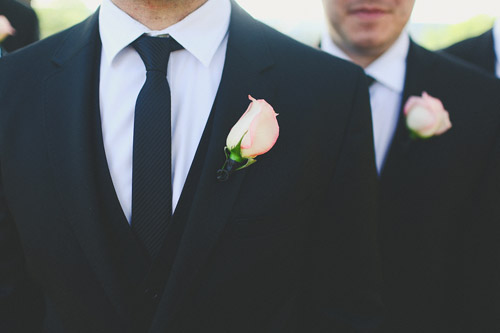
(245, 72)
(70, 113)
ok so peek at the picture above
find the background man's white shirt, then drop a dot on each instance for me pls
(389, 71)
(496, 45)
(194, 75)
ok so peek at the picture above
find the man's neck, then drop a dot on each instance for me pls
(361, 56)
(158, 14)
(362, 59)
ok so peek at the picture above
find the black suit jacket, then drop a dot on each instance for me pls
(432, 226)
(286, 245)
(24, 20)
(478, 50)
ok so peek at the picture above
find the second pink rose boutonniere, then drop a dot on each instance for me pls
(254, 134)
(6, 28)
(426, 116)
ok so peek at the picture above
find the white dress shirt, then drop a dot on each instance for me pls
(496, 45)
(389, 71)
(194, 75)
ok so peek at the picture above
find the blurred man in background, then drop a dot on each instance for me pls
(429, 227)
(24, 21)
(482, 51)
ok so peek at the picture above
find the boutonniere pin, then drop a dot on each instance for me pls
(426, 117)
(254, 134)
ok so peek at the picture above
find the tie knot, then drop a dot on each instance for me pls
(155, 51)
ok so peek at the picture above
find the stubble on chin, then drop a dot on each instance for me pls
(158, 14)
(159, 3)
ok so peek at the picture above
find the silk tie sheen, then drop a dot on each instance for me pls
(151, 173)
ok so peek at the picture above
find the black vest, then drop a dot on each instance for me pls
(141, 281)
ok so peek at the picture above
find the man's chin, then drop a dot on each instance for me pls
(370, 45)
(367, 48)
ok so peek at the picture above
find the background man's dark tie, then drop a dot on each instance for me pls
(151, 175)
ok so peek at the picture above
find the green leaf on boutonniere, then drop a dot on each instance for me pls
(235, 152)
(413, 135)
(250, 161)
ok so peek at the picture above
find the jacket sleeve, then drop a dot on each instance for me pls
(481, 251)
(21, 308)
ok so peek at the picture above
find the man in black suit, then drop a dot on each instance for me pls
(482, 51)
(24, 21)
(431, 223)
(285, 245)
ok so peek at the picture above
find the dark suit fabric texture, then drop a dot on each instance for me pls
(434, 232)
(478, 50)
(286, 245)
(24, 20)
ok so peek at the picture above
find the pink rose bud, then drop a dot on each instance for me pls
(426, 116)
(5, 28)
(257, 130)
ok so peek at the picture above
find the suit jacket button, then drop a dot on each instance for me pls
(150, 294)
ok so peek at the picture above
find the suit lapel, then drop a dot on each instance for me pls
(418, 76)
(70, 109)
(247, 57)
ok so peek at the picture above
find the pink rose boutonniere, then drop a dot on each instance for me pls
(5, 28)
(426, 116)
(254, 134)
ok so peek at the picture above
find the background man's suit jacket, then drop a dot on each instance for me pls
(484, 301)
(432, 226)
(286, 245)
(24, 20)
(478, 50)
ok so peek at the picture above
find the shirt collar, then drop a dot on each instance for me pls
(496, 38)
(389, 69)
(117, 30)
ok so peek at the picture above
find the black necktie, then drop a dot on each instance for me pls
(370, 79)
(151, 170)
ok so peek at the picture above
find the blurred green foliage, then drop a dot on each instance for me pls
(61, 14)
(439, 36)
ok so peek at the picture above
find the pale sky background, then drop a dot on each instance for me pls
(426, 11)
(304, 19)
